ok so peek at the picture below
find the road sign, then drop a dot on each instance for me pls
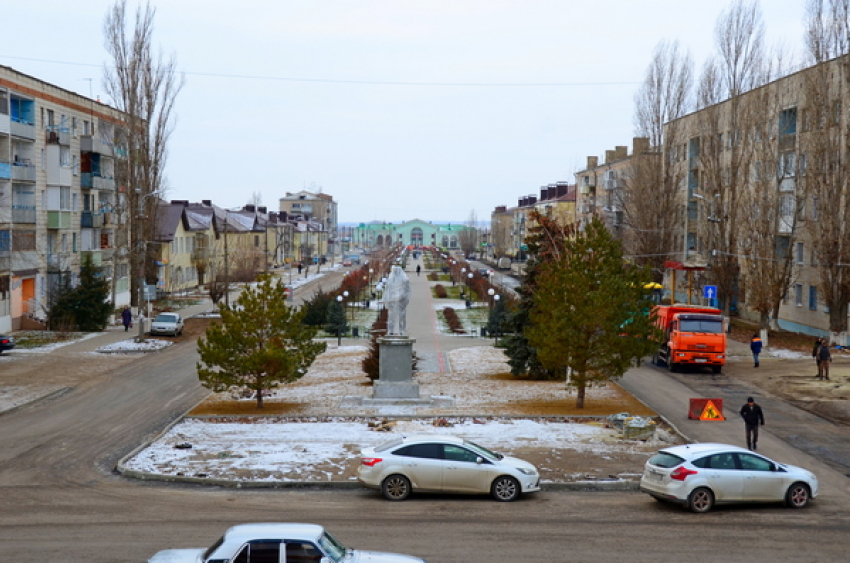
(709, 292)
(711, 412)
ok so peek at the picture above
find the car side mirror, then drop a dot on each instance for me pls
(324, 560)
(479, 460)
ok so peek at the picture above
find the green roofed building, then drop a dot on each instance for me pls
(416, 233)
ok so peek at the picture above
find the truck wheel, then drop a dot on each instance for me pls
(671, 365)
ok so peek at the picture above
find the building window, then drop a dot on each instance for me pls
(798, 294)
(813, 298)
(798, 252)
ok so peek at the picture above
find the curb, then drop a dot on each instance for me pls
(56, 393)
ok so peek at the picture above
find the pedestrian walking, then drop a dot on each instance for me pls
(418, 269)
(755, 347)
(815, 351)
(824, 359)
(126, 318)
(752, 415)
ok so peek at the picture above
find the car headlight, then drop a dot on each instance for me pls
(525, 471)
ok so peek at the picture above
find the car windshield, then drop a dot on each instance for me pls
(700, 325)
(484, 452)
(389, 445)
(335, 550)
(165, 319)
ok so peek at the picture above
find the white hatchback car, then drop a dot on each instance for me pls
(701, 475)
(167, 323)
(444, 464)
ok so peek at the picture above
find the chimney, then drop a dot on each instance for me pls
(521, 202)
(501, 209)
(640, 145)
(183, 202)
(262, 209)
(249, 207)
(609, 156)
(532, 199)
(592, 162)
(561, 189)
(544, 192)
(621, 152)
(207, 202)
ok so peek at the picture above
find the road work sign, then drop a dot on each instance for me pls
(706, 409)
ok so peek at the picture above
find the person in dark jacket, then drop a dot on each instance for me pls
(815, 350)
(126, 318)
(752, 415)
(824, 359)
(755, 346)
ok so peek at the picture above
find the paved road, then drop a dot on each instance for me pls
(60, 500)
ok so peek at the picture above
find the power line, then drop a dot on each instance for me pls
(358, 82)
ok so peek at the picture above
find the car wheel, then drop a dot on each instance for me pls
(396, 487)
(505, 489)
(701, 500)
(798, 495)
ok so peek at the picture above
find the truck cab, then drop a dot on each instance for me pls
(693, 335)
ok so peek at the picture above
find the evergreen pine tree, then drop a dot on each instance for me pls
(588, 313)
(259, 344)
(84, 307)
(337, 321)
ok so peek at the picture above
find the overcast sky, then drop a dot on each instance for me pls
(399, 109)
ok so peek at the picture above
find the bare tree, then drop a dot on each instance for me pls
(724, 159)
(650, 201)
(823, 144)
(144, 85)
(468, 237)
(774, 202)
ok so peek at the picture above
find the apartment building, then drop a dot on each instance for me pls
(314, 207)
(58, 198)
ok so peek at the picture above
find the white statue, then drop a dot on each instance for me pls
(396, 297)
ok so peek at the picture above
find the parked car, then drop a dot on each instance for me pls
(299, 543)
(167, 323)
(346, 262)
(444, 464)
(702, 475)
(6, 343)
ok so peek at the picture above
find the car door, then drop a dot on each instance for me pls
(259, 551)
(423, 465)
(761, 481)
(462, 473)
(723, 476)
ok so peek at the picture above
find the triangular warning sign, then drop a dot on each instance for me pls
(710, 412)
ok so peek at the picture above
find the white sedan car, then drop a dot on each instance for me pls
(293, 543)
(167, 323)
(702, 475)
(444, 464)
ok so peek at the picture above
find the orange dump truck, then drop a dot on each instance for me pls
(693, 336)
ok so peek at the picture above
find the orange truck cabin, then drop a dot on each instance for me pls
(693, 335)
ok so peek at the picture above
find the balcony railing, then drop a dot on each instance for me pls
(58, 219)
(23, 129)
(95, 181)
(23, 213)
(23, 172)
(5, 170)
(88, 143)
(55, 135)
(90, 220)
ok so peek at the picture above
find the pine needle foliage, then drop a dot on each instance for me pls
(85, 307)
(589, 311)
(260, 343)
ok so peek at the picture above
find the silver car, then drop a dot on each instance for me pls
(444, 464)
(167, 323)
(702, 475)
(305, 543)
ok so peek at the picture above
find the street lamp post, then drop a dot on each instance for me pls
(338, 336)
(491, 292)
(345, 294)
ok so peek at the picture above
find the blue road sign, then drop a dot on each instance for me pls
(709, 291)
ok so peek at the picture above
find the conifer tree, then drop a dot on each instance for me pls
(588, 315)
(259, 344)
(337, 322)
(84, 307)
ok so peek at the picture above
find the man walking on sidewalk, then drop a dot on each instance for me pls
(824, 358)
(752, 415)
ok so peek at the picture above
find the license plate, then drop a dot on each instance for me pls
(653, 476)
(700, 360)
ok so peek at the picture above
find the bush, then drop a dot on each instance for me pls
(453, 321)
(440, 291)
(433, 276)
(372, 362)
(316, 309)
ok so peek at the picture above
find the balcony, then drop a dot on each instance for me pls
(5, 170)
(92, 180)
(55, 135)
(107, 254)
(23, 171)
(58, 219)
(89, 143)
(23, 213)
(5, 123)
(90, 220)
(23, 129)
(95, 255)
(57, 261)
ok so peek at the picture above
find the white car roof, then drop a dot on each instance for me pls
(441, 438)
(273, 530)
(690, 451)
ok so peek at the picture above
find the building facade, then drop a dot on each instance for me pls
(58, 198)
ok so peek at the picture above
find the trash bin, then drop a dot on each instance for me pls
(483, 331)
(355, 331)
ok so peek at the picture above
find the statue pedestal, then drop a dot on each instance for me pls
(395, 369)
